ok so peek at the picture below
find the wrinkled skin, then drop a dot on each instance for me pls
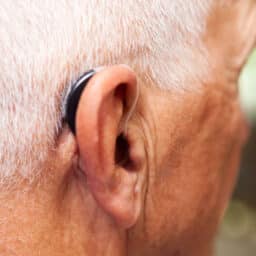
(194, 172)
(190, 144)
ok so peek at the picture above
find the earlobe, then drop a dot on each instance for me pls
(104, 149)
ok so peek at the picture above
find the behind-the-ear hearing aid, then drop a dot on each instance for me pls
(72, 99)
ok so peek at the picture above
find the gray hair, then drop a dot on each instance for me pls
(45, 45)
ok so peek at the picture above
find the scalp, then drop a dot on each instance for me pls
(45, 45)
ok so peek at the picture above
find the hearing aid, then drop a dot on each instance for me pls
(73, 96)
(72, 99)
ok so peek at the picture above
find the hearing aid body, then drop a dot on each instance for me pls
(72, 100)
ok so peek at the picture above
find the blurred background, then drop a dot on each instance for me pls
(237, 235)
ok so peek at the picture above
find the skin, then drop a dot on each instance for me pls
(168, 198)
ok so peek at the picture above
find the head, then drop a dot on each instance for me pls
(153, 159)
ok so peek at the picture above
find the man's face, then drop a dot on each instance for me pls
(196, 139)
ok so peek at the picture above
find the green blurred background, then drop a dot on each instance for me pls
(237, 235)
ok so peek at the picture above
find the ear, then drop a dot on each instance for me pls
(231, 34)
(111, 158)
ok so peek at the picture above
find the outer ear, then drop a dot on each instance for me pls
(110, 160)
(231, 33)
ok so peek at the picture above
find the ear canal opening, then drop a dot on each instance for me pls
(122, 156)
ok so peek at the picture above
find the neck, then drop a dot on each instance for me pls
(45, 221)
(103, 237)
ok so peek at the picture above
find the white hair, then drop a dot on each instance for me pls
(45, 45)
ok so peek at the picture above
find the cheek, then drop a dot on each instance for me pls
(186, 197)
(196, 178)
